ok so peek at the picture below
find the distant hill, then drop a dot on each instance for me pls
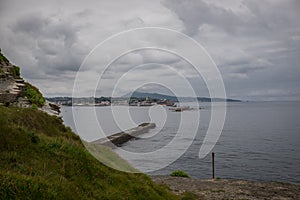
(176, 99)
(151, 95)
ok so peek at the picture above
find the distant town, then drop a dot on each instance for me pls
(107, 101)
(135, 99)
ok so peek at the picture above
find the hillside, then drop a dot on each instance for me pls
(40, 158)
(176, 99)
(151, 95)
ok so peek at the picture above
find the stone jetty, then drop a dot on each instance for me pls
(120, 138)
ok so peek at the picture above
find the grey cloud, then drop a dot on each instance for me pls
(262, 18)
(159, 56)
(57, 47)
(146, 59)
(40, 27)
(31, 24)
(131, 58)
(195, 13)
(135, 22)
(245, 67)
(84, 13)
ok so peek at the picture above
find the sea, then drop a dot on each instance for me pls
(259, 140)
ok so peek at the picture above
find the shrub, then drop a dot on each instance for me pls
(34, 106)
(180, 173)
(34, 95)
(17, 71)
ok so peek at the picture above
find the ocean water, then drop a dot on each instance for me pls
(259, 141)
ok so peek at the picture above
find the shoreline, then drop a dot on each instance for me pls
(229, 188)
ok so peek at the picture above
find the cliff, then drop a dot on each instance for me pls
(12, 86)
(14, 90)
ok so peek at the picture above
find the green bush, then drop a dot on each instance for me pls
(180, 173)
(34, 95)
(17, 71)
(34, 106)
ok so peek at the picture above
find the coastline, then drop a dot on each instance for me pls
(229, 188)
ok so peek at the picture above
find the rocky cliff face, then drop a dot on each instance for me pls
(11, 84)
(13, 89)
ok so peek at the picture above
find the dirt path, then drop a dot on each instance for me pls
(230, 189)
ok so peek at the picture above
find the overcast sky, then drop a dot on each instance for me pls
(255, 43)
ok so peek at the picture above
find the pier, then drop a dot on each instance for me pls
(120, 138)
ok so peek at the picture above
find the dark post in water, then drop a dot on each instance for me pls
(213, 164)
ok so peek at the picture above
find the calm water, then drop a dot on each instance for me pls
(259, 141)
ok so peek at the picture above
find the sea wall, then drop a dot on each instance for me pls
(120, 138)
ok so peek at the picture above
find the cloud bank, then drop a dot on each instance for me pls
(255, 44)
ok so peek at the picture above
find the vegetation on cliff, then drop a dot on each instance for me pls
(17, 71)
(34, 96)
(3, 58)
(12, 86)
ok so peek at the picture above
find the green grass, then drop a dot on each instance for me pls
(40, 158)
(109, 157)
(179, 173)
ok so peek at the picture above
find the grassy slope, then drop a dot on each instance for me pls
(42, 159)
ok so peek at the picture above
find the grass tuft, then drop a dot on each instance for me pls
(179, 173)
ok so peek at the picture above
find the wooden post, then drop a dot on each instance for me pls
(213, 164)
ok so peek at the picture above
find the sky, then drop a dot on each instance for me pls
(255, 45)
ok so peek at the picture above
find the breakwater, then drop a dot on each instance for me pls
(120, 138)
